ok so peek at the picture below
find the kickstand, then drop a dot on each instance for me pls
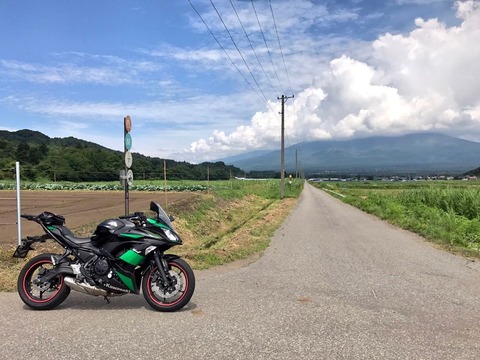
(106, 299)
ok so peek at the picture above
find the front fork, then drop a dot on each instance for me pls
(162, 267)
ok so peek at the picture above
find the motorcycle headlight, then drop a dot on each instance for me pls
(170, 235)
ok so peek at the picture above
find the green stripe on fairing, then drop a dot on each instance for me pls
(126, 280)
(156, 223)
(133, 236)
(132, 258)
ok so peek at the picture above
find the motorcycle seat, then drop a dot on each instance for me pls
(69, 235)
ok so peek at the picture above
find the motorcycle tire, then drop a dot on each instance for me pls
(173, 299)
(41, 296)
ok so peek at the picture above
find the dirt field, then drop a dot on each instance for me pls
(78, 207)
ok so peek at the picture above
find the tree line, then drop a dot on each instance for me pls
(69, 159)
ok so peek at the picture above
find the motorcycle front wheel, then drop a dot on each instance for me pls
(34, 292)
(173, 297)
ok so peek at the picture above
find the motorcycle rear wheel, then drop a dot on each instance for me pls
(175, 298)
(38, 295)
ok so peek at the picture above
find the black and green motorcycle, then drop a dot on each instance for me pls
(125, 255)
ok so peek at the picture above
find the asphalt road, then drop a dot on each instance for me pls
(335, 283)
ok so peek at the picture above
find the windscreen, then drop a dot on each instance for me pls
(162, 215)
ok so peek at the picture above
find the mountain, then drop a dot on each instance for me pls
(71, 159)
(24, 135)
(244, 156)
(420, 153)
(37, 138)
(42, 157)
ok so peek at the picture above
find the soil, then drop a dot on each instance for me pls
(79, 208)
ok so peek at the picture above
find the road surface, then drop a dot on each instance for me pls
(335, 283)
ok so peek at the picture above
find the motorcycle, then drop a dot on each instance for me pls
(123, 256)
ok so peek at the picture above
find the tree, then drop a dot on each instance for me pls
(71, 159)
(23, 152)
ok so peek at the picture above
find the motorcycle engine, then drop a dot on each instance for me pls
(95, 268)
(101, 267)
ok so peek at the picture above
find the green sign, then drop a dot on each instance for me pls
(128, 141)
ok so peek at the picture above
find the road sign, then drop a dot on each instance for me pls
(122, 177)
(128, 159)
(129, 177)
(128, 141)
(127, 123)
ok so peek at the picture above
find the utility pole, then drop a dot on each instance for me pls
(282, 157)
(296, 163)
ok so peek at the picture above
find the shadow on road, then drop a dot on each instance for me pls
(77, 301)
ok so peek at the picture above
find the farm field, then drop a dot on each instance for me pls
(78, 207)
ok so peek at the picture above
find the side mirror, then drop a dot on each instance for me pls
(154, 207)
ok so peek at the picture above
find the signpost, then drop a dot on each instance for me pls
(126, 176)
(128, 159)
(19, 224)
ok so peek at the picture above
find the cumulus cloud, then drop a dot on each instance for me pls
(424, 80)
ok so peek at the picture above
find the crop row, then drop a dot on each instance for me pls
(101, 187)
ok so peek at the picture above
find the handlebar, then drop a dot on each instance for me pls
(29, 217)
(131, 216)
(45, 218)
(135, 217)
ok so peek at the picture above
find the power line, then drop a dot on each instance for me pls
(265, 40)
(253, 49)
(283, 97)
(219, 44)
(285, 68)
(231, 60)
(280, 47)
(235, 44)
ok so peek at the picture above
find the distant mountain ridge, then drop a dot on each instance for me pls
(72, 159)
(75, 159)
(36, 137)
(418, 153)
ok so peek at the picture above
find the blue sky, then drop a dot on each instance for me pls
(356, 67)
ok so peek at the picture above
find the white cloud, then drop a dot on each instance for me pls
(294, 22)
(80, 68)
(418, 2)
(161, 128)
(421, 81)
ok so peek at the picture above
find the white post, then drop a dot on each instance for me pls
(17, 172)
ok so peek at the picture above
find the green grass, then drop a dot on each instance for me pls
(233, 220)
(444, 212)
